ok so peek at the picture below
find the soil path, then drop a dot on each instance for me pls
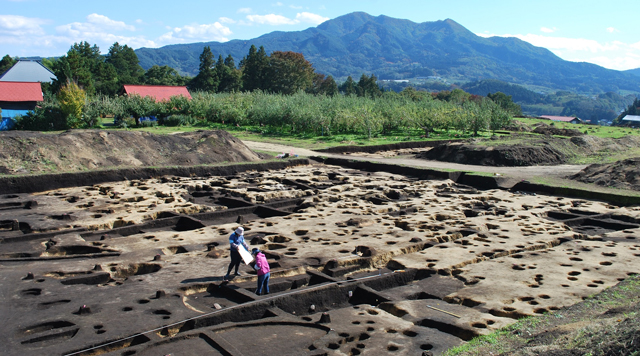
(515, 172)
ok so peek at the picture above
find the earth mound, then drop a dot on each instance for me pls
(25, 152)
(511, 155)
(545, 129)
(623, 174)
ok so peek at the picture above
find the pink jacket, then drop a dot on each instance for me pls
(261, 262)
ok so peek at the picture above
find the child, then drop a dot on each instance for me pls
(264, 272)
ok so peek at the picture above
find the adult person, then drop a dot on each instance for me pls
(236, 240)
(264, 272)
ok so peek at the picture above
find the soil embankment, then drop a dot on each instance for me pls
(24, 152)
(623, 174)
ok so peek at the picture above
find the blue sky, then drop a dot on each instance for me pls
(606, 33)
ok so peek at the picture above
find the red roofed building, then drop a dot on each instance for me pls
(158, 92)
(16, 98)
(571, 119)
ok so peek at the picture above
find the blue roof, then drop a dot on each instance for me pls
(28, 71)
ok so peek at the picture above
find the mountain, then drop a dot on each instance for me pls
(633, 71)
(393, 48)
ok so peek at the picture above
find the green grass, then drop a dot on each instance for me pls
(596, 334)
(593, 130)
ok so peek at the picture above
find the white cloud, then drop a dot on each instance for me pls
(613, 55)
(271, 19)
(19, 25)
(101, 31)
(548, 30)
(244, 10)
(310, 18)
(612, 29)
(226, 20)
(276, 20)
(95, 24)
(278, 4)
(196, 33)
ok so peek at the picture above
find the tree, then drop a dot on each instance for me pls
(506, 103)
(289, 72)
(206, 80)
(164, 75)
(126, 64)
(6, 63)
(368, 86)
(136, 106)
(230, 76)
(254, 69)
(78, 66)
(348, 87)
(324, 85)
(72, 98)
(632, 109)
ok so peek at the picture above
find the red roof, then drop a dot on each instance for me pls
(559, 118)
(20, 91)
(158, 92)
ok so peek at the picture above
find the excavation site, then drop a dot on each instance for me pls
(366, 258)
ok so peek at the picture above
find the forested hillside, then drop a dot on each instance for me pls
(394, 48)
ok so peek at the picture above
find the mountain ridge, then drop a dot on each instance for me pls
(393, 48)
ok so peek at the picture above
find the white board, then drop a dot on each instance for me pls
(246, 256)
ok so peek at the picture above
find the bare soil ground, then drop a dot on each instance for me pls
(363, 262)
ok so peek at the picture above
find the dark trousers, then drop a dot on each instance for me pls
(263, 281)
(235, 261)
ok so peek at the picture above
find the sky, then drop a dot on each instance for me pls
(606, 33)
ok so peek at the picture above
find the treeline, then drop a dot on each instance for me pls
(280, 72)
(280, 92)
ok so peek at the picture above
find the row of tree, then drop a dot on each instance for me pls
(298, 113)
(280, 72)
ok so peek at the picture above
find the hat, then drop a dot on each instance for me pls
(255, 250)
(239, 231)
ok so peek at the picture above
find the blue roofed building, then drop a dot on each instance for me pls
(28, 71)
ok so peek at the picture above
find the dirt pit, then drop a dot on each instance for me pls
(361, 263)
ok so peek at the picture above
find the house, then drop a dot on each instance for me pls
(630, 120)
(17, 98)
(571, 119)
(158, 92)
(28, 71)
